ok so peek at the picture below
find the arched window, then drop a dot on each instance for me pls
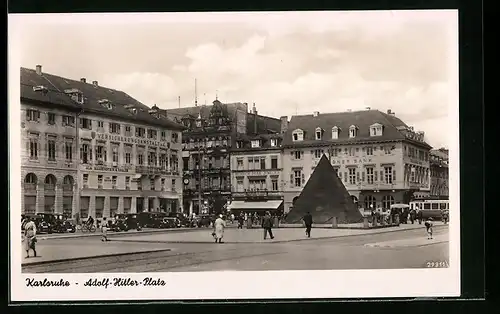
(68, 183)
(50, 182)
(30, 181)
(387, 201)
(370, 200)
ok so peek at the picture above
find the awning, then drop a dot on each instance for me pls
(264, 205)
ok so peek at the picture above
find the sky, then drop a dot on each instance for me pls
(286, 63)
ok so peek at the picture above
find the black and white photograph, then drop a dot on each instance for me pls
(234, 155)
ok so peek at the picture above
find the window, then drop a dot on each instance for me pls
(51, 118)
(173, 185)
(352, 131)
(127, 183)
(274, 142)
(68, 151)
(140, 158)
(335, 133)
(255, 143)
(239, 164)
(100, 153)
(163, 161)
(139, 132)
(335, 152)
(128, 155)
(100, 126)
(113, 182)
(99, 181)
(262, 163)
(369, 175)
(376, 129)
(387, 201)
(297, 154)
(115, 153)
(388, 175)
(139, 185)
(32, 115)
(175, 137)
(152, 134)
(163, 135)
(85, 154)
(239, 185)
(152, 184)
(297, 177)
(412, 175)
(369, 151)
(298, 135)
(274, 162)
(274, 184)
(370, 202)
(152, 158)
(387, 150)
(85, 123)
(319, 133)
(317, 153)
(257, 184)
(114, 128)
(33, 148)
(128, 130)
(51, 149)
(352, 175)
(68, 121)
(85, 180)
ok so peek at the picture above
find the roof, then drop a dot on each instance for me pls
(343, 120)
(265, 142)
(92, 94)
(204, 110)
(265, 125)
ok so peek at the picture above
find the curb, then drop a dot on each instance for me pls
(69, 259)
(273, 242)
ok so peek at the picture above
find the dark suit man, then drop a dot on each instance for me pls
(267, 224)
(308, 221)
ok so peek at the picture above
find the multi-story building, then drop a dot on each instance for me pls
(439, 174)
(91, 150)
(378, 157)
(209, 137)
(256, 166)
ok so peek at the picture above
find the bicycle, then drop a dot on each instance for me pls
(88, 228)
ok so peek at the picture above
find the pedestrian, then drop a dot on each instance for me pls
(267, 224)
(308, 220)
(412, 216)
(30, 237)
(420, 216)
(219, 226)
(445, 216)
(428, 227)
(241, 218)
(104, 230)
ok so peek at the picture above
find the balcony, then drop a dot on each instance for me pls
(67, 187)
(154, 170)
(257, 194)
(49, 187)
(30, 187)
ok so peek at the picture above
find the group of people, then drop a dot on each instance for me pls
(267, 223)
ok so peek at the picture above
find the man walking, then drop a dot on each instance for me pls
(267, 224)
(308, 221)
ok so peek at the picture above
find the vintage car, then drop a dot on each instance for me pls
(170, 222)
(184, 221)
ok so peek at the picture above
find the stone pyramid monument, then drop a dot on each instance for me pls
(325, 197)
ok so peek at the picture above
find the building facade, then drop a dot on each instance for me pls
(439, 174)
(380, 160)
(208, 141)
(256, 167)
(93, 151)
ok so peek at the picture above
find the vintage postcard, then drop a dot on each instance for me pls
(263, 155)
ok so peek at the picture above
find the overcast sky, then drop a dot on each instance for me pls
(285, 63)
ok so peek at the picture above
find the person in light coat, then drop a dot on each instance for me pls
(219, 226)
(30, 237)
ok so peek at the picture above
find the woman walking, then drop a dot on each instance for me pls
(428, 226)
(30, 237)
(219, 226)
(104, 230)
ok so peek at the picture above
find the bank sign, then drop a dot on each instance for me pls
(132, 140)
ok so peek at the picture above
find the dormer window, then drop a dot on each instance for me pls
(274, 142)
(335, 133)
(255, 143)
(353, 131)
(319, 133)
(106, 104)
(75, 94)
(239, 144)
(376, 129)
(298, 135)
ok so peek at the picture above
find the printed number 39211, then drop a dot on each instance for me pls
(439, 264)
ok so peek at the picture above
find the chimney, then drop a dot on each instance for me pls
(315, 113)
(95, 83)
(368, 108)
(38, 69)
(389, 111)
(83, 80)
(254, 111)
(284, 124)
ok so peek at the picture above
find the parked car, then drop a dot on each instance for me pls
(42, 226)
(169, 222)
(150, 219)
(184, 221)
(204, 221)
(63, 226)
(119, 223)
(132, 222)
